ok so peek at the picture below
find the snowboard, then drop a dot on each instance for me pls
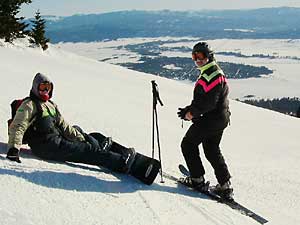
(143, 167)
(232, 203)
(210, 189)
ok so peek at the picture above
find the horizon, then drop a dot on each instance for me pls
(62, 8)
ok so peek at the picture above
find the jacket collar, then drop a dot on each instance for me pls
(207, 66)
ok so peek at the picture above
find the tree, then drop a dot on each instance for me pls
(298, 112)
(11, 27)
(38, 32)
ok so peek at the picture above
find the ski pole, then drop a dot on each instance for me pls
(155, 124)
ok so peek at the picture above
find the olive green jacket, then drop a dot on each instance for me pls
(26, 115)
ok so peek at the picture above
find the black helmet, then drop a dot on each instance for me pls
(204, 48)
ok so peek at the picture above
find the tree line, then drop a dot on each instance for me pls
(290, 106)
(13, 27)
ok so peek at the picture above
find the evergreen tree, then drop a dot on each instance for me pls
(11, 27)
(38, 32)
(298, 112)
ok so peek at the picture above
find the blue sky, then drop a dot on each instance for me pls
(70, 7)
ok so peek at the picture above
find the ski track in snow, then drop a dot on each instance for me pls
(199, 204)
(155, 215)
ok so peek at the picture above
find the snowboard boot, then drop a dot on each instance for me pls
(129, 159)
(225, 191)
(198, 184)
(106, 144)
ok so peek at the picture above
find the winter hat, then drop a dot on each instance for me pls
(38, 79)
(204, 48)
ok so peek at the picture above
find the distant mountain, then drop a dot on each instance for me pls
(257, 23)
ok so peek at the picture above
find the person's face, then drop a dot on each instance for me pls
(200, 59)
(44, 88)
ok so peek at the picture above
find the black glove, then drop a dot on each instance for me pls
(13, 155)
(181, 112)
(78, 128)
(93, 141)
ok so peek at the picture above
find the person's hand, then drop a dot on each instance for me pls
(188, 116)
(13, 155)
(93, 141)
(182, 112)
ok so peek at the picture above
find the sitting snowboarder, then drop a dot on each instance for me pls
(39, 123)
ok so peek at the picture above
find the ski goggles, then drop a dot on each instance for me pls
(198, 56)
(45, 86)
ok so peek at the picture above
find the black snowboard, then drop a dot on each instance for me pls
(143, 168)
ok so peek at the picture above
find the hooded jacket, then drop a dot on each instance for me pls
(26, 116)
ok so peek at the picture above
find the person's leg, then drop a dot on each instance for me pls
(190, 151)
(214, 156)
(138, 165)
(60, 149)
(115, 147)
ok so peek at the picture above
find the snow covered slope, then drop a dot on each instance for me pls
(261, 148)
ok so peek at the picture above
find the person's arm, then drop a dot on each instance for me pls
(68, 131)
(17, 129)
(204, 102)
(20, 124)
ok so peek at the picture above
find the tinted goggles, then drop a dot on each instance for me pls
(198, 56)
(45, 87)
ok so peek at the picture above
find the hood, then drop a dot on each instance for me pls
(40, 78)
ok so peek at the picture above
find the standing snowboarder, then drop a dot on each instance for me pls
(209, 112)
(39, 122)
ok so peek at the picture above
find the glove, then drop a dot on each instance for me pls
(181, 112)
(13, 155)
(93, 141)
(78, 128)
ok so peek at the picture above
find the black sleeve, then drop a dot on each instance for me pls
(204, 102)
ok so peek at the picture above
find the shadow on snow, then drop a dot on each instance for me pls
(85, 183)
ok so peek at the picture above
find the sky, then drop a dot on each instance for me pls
(71, 7)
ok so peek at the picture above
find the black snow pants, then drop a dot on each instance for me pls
(58, 148)
(210, 140)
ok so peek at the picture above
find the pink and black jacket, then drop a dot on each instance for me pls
(210, 104)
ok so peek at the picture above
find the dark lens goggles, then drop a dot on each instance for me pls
(198, 56)
(45, 87)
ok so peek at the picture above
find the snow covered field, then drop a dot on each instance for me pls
(284, 82)
(261, 148)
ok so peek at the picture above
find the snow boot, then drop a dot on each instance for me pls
(225, 191)
(129, 159)
(198, 184)
(106, 144)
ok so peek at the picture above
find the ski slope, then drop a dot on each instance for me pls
(261, 148)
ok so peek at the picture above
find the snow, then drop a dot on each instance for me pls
(283, 82)
(261, 148)
(240, 30)
(172, 67)
(113, 51)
